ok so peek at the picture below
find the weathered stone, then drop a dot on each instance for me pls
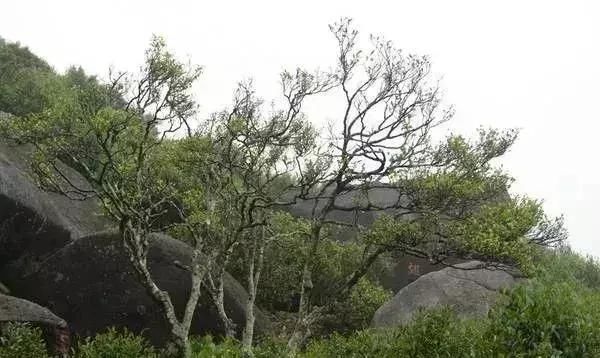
(91, 284)
(13, 309)
(468, 289)
(34, 223)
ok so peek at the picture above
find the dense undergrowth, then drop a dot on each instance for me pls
(554, 314)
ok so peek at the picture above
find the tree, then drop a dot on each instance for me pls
(23, 77)
(243, 175)
(126, 175)
(442, 195)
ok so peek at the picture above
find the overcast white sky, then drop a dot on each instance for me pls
(529, 64)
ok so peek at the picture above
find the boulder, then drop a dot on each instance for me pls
(90, 283)
(469, 289)
(35, 223)
(13, 309)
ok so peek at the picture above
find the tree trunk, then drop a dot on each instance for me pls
(136, 244)
(301, 328)
(218, 295)
(179, 347)
(254, 271)
(303, 322)
(248, 335)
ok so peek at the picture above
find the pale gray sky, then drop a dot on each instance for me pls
(529, 64)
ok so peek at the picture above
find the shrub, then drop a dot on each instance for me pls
(440, 333)
(356, 312)
(270, 347)
(566, 265)
(437, 333)
(22, 340)
(205, 347)
(556, 318)
(113, 344)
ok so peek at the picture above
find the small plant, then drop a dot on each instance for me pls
(115, 344)
(205, 347)
(22, 340)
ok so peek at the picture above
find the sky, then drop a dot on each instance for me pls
(527, 64)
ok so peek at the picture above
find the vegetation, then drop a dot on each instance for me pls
(21, 340)
(224, 184)
(548, 316)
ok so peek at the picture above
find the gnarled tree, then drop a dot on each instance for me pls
(442, 199)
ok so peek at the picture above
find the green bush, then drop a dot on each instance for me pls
(436, 333)
(356, 312)
(22, 341)
(366, 343)
(566, 265)
(114, 344)
(284, 258)
(560, 318)
(205, 347)
(22, 79)
(440, 333)
(270, 347)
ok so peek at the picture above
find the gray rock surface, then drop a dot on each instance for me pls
(35, 223)
(470, 291)
(13, 309)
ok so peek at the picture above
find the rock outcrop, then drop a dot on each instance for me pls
(469, 289)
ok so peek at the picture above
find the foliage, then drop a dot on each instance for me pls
(113, 148)
(357, 310)
(205, 347)
(499, 231)
(365, 298)
(114, 344)
(565, 265)
(23, 76)
(437, 333)
(553, 314)
(333, 263)
(561, 318)
(21, 340)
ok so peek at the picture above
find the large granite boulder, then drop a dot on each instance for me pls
(91, 284)
(469, 289)
(35, 223)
